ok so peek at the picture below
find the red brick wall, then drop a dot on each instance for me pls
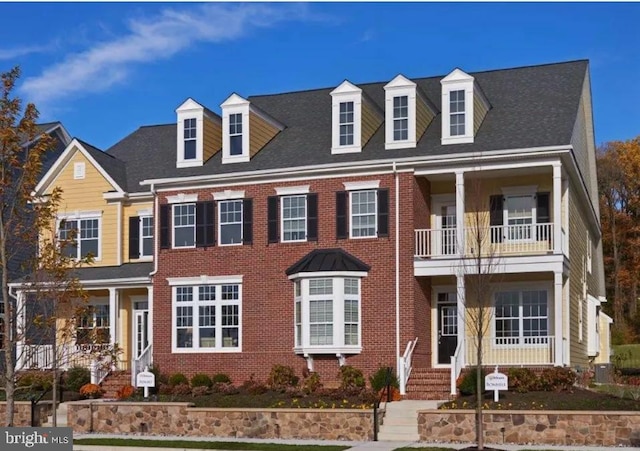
(267, 300)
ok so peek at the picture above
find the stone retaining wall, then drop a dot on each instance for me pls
(22, 413)
(527, 427)
(182, 419)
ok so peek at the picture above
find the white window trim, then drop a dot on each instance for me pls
(219, 207)
(182, 198)
(94, 302)
(338, 298)
(142, 256)
(194, 304)
(361, 186)
(282, 220)
(173, 226)
(457, 81)
(228, 195)
(520, 287)
(79, 216)
(198, 115)
(520, 191)
(292, 190)
(346, 92)
(79, 170)
(398, 87)
(235, 105)
(375, 215)
(204, 280)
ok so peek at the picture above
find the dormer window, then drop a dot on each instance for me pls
(346, 119)
(457, 113)
(190, 137)
(235, 134)
(464, 107)
(401, 113)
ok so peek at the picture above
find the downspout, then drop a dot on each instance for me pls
(155, 231)
(397, 264)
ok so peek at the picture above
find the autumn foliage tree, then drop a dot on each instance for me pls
(619, 188)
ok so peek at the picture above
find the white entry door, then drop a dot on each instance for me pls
(140, 330)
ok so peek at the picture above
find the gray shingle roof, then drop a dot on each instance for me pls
(532, 106)
(112, 166)
(124, 271)
(327, 260)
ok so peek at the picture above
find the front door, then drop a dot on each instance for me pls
(140, 331)
(447, 327)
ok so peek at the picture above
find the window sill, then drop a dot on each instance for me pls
(333, 350)
(205, 350)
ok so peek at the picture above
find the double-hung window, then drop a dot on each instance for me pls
(294, 218)
(363, 214)
(235, 134)
(207, 317)
(184, 225)
(327, 315)
(146, 236)
(400, 118)
(93, 326)
(80, 237)
(346, 123)
(520, 216)
(362, 211)
(230, 214)
(521, 317)
(190, 129)
(457, 112)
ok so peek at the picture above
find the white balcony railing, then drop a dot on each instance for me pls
(539, 350)
(406, 366)
(494, 240)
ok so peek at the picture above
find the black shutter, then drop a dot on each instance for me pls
(496, 218)
(205, 224)
(341, 214)
(272, 219)
(312, 217)
(543, 217)
(247, 221)
(134, 237)
(383, 212)
(165, 235)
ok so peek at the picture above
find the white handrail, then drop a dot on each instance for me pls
(456, 366)
(141, 362)
(405, 365)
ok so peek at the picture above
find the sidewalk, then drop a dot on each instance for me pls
(357, 446)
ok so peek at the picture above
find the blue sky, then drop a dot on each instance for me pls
(104, 69)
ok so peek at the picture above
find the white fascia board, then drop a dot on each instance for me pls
(142, 282)
(189, 105)
(456, 76)
(327, 274)
(204, 280)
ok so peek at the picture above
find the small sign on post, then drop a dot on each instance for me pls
(496, 381)
(146, 379)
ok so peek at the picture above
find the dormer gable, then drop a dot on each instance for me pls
(400, 113)
(199, 134)
(464, 107)
(346, 118)
(246, 129)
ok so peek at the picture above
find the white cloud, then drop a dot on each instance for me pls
(151, 39)
(8, 54)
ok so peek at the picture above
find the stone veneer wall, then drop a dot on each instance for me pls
(22, 413)
(182, 419)
(539, 427)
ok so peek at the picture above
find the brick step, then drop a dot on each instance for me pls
(114, 382)
(428, 396)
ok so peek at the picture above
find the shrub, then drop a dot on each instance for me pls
(39, 381)
(201, 380)
(281, 377)
(91, 391)
(178, 379)
(351, 377)
(311, 383)
(181, 389)
(125, 392)
(522, 380)
(467, 385)
(254, 387)
(200, 390)
(378, 380)
(221, 378)
(557, 379)
(76, 377)
(165, 389)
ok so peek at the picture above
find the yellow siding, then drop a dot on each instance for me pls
(127, 212)
(479, 112)
(212, 141)
(424, 116)
(371, 121)
(261, 133)
(86, 195)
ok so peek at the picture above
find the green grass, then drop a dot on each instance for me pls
(186, 444)
(634, 350)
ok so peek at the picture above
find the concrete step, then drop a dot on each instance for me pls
(61, 417)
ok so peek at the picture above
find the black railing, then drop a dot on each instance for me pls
(376, 405)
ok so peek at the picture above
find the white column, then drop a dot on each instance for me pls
(113, 314)
(462, 314)
(557, 208)
(558, 301)
(565, 210)
(150, 320)
(460, 211)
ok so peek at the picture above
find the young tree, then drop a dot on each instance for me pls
(480, 271)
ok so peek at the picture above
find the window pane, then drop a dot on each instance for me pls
(294, 218)
(346, 123)
(235, 134)
(184, 219)
(320, 286)
(231, 222)
(321, 322)
(235, 145)
(363, 213)
(190, 149)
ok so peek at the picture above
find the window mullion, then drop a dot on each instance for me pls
(338, 311)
